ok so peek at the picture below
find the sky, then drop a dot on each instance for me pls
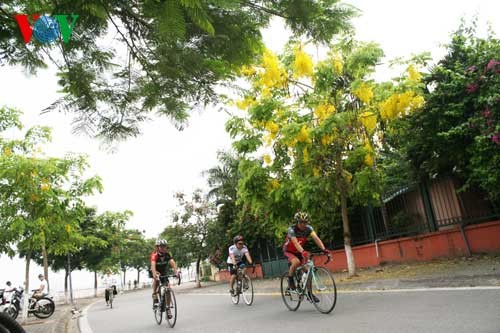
(144, 172)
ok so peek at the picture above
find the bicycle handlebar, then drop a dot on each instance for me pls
(245, 265)
(172, 276)
(328, 256)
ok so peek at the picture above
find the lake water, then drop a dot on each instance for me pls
(13, 270)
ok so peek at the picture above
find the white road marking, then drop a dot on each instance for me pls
(83, 322)
(364, 291)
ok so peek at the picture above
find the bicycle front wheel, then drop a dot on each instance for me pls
(44, 308)
(247, 290)
(158, 310)
(324, 288)
(11, 311)
(236, 296)
(172, 308)
(111, 296)
(291, 298)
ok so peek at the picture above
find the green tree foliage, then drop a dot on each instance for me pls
(40, 197)
(192, 223)
(458, 132)
(317, 128)
(135, 251)
(177, 52)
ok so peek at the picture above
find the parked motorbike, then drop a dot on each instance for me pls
(9, 304)
(40, 307)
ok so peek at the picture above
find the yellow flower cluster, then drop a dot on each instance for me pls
(369, 154)
(245, 103)
(305, 155)
(273, 184)
(7, 152)
(364, 93)
(316, 171)
(44, 186)
(326, 140)
(413, 74)
(248, 70)
(303, 65)
(338, 66)
(368, 120)
(400, 104)
(268, 139)
(322, 111)
(272, 127)
(274, 74)
(267, 159)
(303, 135)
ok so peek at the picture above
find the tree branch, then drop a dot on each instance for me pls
(264, 9)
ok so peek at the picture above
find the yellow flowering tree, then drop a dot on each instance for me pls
(316, 128)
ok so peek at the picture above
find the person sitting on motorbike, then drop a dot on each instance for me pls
(43, 289)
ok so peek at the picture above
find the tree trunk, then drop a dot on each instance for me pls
(66, 294)
(342, 186)
(45, 265)
(351, 265)
(95, 284)
(124, 280)
(197, 278)
(138, 276)
(26, 285)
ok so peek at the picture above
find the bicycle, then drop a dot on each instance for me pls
(164, 292)
(316, 285)
(244, 287)
(41, 307)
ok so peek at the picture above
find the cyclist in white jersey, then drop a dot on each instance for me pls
(238, 256)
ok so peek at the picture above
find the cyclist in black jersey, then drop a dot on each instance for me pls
(160, 259)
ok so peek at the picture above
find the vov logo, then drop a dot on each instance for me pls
(46, 29)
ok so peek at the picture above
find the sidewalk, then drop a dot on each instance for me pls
(478, 270)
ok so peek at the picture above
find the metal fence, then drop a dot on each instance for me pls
(406, 211)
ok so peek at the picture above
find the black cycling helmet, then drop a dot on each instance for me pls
(301, 217)
(237, 238)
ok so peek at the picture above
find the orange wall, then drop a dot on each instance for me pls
(224, 275)
(482, 238)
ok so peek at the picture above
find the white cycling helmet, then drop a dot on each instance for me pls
(160, 242)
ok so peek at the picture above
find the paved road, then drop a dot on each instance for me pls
(395, 311)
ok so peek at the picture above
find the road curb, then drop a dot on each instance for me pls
(83, 325)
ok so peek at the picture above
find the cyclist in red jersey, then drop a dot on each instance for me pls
(160, 260)
(295, 240)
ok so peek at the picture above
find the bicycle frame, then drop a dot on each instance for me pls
(310, 277)
(243, 288)
(167, 301)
